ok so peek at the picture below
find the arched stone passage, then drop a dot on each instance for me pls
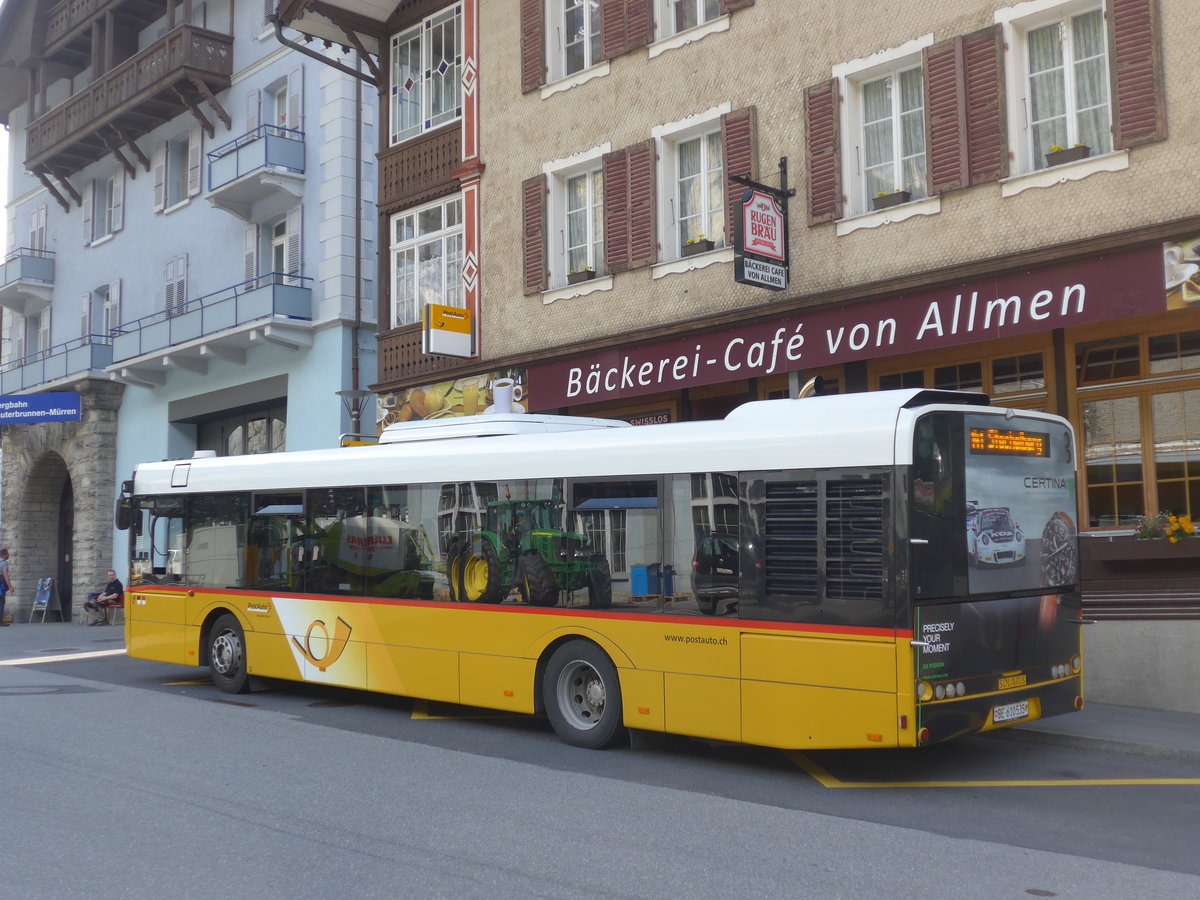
(59, 489)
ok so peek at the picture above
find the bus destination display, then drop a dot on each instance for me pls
(1009, 442)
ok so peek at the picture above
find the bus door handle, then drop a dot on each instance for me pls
(918, 541)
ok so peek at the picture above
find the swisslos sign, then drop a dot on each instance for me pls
(1016, 303)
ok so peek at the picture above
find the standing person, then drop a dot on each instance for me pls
(5, 584)
(112, 595)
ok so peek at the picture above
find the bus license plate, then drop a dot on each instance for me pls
(1010, 711)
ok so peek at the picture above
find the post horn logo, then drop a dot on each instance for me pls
(333, 648)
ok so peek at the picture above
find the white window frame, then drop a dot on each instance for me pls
(1017, 22)
(421, 34)
(707, 12)
(453, 291)
(556, 38)
(668, 139)
(558, 175)
(103, 207)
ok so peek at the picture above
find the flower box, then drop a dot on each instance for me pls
(1070, 154)
(581, 275)
(886, 201)
(692, 248)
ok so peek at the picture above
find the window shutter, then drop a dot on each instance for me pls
(181, 293)
(533, 45)
(615, 169)
(729, 6)
(624, 26)
(1139, 102)
(253, 111)
(44, 329)
(945, 116)
(643, 218)
(169, 284)
(295, 99)
(85, 315)
(292, 249)
(824, 153)
(10, 232)
(118, 200)
(194, 157)
(18, 328)
(533, 206)
(89, 194)
(160, 177)
(250, 257)
(987, 132)
(739, 149)
(40, 241)
(112, 313)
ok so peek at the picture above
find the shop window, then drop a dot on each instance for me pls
(900, 380)
(1016, 374)
(1112, 456)
(1176, 418)
(1174, 352)
(965, 377)
(1111, 360)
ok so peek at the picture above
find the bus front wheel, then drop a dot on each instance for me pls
(583, 696)
(227, 655)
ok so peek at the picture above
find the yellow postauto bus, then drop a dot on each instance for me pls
(887, 569)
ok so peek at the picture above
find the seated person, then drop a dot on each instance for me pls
(99, 601)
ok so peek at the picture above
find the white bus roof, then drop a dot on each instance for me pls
(846, 430)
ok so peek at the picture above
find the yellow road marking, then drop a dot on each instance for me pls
(829, 781)
(421, 711)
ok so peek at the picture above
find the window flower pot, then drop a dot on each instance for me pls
(1070, 154)
(895, 198)
(695, 247)
(581, 276)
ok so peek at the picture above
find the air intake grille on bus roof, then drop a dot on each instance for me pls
(790, 555)
(852, 562)
(854, 539)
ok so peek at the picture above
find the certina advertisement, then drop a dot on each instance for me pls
(1020, 538)
(1020, 505)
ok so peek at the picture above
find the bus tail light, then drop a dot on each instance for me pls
(1079, 703)
(923, 736)
(1076, 663)
(924, 690)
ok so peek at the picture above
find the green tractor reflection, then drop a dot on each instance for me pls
(521, 546)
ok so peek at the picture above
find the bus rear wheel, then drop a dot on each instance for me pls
(582, 696)
(227, 655)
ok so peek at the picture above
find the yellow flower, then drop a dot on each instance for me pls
(1173, 539)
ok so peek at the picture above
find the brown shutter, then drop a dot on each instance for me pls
(615, 167)
(728, 6)
(640, 18)
(739, 151)
(533, 45)
(987, 130)
(533, 203)
(624, 26)
(823, 151)
(945, 116)
(1139, 103)
(643, 218)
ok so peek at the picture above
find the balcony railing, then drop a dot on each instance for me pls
(79, 356)
(273, 294)
(133, 98)
(27, 281)
(260, 164)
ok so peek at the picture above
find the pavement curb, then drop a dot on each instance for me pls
(1102, 745)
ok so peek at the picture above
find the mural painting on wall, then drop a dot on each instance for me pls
(1181, 262)
(487, 393)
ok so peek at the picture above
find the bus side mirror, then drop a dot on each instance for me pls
(126, 516)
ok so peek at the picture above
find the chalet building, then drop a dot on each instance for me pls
(183, 203)
(987, 196)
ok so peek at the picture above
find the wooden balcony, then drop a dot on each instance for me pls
(182, 69)
(68, 26)
(401, 362)
(420, 169)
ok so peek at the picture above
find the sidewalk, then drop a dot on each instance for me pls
(1119, 729)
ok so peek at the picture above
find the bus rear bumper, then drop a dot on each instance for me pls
(947, 719)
